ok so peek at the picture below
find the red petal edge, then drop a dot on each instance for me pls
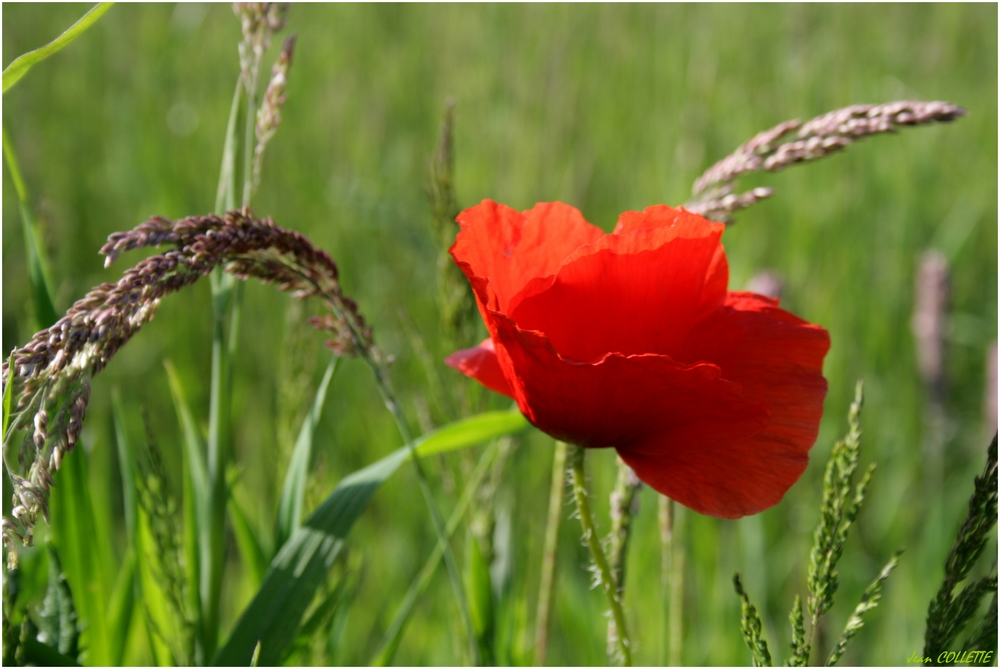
(480, 363)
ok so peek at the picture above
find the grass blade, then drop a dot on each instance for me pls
(126, 462)
(121, 607)
(251, 548)
(20, 66)
(294, 489)
(390, 642)
(225, 198)
(86, 554)
(123, 596)
(195, 497)
(8, 396)
(38, 273)
(480, 594)
(274, 614)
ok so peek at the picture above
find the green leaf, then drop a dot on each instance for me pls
(122, 606)
(38, 272)
(394, 633)
(86, 554)
(251, 548)
(479, 587)
(225, 197)
(304, 561)
(23, 63)
(294, 489)
(196, 494)
(8, 397)
(126, 462)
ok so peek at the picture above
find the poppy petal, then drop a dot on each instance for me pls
(640, 291)
(623, 399)
(657, 216)
(509, 248)
(480, 363)
(777, 358)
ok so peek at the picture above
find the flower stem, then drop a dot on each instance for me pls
(575, 458)
(624, 506)
(549, 553)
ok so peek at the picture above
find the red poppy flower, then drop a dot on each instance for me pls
(632, 341)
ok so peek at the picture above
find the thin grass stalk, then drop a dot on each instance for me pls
(671, 582)
(384, 384)
(383, 656)
(545, 587)
(575, 456)
(38, 270)
(219, 452)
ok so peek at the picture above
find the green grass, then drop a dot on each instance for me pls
(607, 108)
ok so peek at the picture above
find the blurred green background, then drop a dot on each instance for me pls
(608, 108)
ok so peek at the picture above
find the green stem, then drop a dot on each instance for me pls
(220, 407)
(389, 397)
(672, 580)
(248, 135)
(549, 553)
(575, 458)
(393, 635)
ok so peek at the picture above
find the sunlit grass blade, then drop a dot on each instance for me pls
(164, 637)
(294, 489)
(38, 274)
(320, 615)
(390, 642)
(225, 308)
(225, 196)
(126, 464)
(479, 587)
(122, 607)
(252, 550)
(195, 497)
(303, 562)
(86, 554)
(8, 396)
(123, 600)
(20, 65)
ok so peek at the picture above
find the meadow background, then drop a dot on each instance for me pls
(607, 108)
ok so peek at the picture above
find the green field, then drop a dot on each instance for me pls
(605, 107)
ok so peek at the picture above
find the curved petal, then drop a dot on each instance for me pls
(638, 291)
(657, 216)
(777, 358)
(622, 400)
(507, 249)
(480, 363)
